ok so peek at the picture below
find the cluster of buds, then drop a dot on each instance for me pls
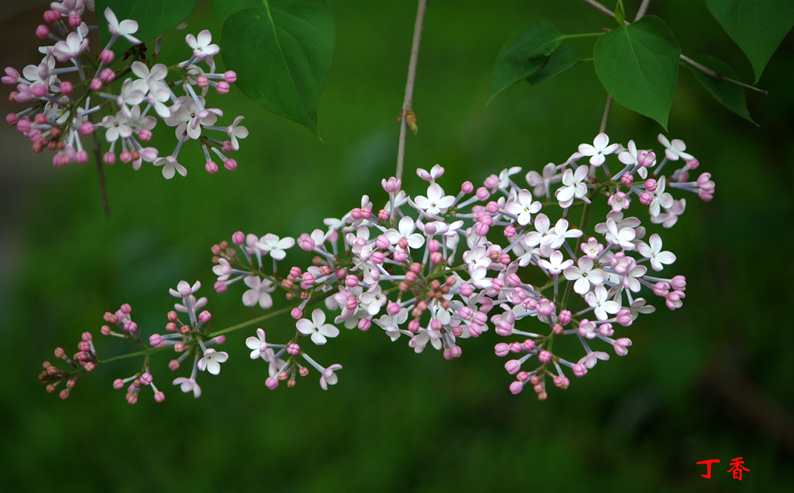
(84, 360)
(61, 101)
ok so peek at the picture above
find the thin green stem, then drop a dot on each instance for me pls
(583, 35)
(409, 86)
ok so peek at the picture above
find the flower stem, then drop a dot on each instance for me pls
(409, 86)
(100, 173)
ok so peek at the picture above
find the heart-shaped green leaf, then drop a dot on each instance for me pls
(281, 52)
(730, 95)
(638, 65)
(154, 17)
(757, 26)
(524, 53)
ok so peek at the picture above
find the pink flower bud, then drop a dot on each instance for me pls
(483, 194)
(650, 184)
(230, 76)
(693, 164)
(579, 370)
(606, 330)
(624, 317)
(42, 31)
(400, 256)
(96, 84)
(107, 75)
(146, 378)
(51, 16)
(646, 198)
(678, 282)
(621, 345)
(491, 182)
(173, 365)
(156, 340)
(222, 87)
(627, 179)
(230, 164)
(75, 20)
(502, 349)
(118, 384)
(561, 382)
(544, 356)
(271, 383)
(436, 258)
(364, 324)
(466, 187)
(202, 81)
(159, 396)
(109, 158)
(492, 207)
(528, 345)
(516, 388)
(378, 257)
(293, 349)
(392, 185)
(107, 56)
(481, 229)
(211, 167)
(39, 91)
(565, 317)
(413, 326)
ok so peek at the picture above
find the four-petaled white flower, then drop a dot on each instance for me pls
(523, 207)
(258, 346)
(584, 275)
(236, 131)
(435, 202)
(69, 48)
(184, 289)
(125, 28)
(259, 292)
(407, 226)
(624, 238)
(542, 182)
(654, 252)
(170, 167)
(573, 186)
(317, 327)
(598, 150)
(274, 245)
(601, 305)
(188, 384)
(211, 361)
(555, 264)
(675, 150)
(435, 172)
(329, 377)
(202, 46)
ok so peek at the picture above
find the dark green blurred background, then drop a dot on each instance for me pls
(710, 381)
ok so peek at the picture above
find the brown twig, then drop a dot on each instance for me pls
(406, 111)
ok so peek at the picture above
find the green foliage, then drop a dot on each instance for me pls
(620, 13)
(638, 65)
(757, 26)
(154, 17)
(224, 8)
(282, 51)
(524, 53)
(565, 57)
(729, 95)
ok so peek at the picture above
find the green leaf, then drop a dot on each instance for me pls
(224, 8)
(638, 65)
(154, 17)
(757, 26)
(281, 52)
(730, 95)
(565, 57)
(620, 13)
(524, 53)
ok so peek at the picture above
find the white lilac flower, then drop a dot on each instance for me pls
(523, 207)
(597, 299)
(236, 131)
(391, 324)
(675, 150)
(573, 186)
(329, 376)
(436, 202)
(259, 292)
(623, 238)
(654, 253)
(435, 172)
(542, 183)
(187, 385)
(258, 346)
(555, 265)
(184, 289)
(584, 275)
(598, 150)
(202, 45)
(670, 216)
(274, 245)
(170, 167)
(125, 28)
(211, 361)
(317, 328)
(71, 47)
(660, 198)
(406, 227)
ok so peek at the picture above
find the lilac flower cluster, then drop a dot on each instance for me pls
(61, 101)
(439, 268)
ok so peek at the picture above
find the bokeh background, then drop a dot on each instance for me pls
(710, 381)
